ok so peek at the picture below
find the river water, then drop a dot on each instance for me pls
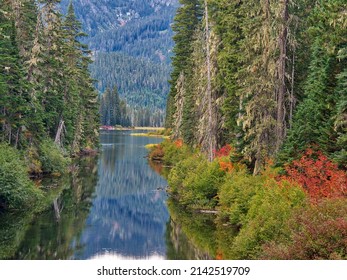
(112, 207)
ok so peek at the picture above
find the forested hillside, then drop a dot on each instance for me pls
(48, 104)
(267, 77)
(131, 38)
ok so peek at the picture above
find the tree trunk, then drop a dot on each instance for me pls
(56, 209)
(280, 134)
(17, 138)
(60, 132)
(211, 131)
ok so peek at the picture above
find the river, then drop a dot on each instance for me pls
(113, 207)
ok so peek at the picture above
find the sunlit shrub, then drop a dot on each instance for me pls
(16, 189)
(174, 151)
(202, 185)
(235, 195)
(195, 182)
(317, 232)
(269, 209)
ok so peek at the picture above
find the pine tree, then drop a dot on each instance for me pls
(25, 17)
(340, 117)
(186, 22)
(323, 98)
(13, 91)
(310, 121)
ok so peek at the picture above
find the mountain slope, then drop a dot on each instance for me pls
(132, 42)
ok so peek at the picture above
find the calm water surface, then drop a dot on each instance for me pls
(111, 207)
(129, 214)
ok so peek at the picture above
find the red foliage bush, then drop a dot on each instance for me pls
(318, 232)
(319, 176)
(223, 152)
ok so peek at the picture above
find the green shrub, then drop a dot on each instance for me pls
(16, 189)
(32, 159)
(51, 158)
(236, 194)
(174, 152)
(195, 181)
(180, 171)
(270, 208)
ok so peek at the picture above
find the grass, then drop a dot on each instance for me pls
(150, 146)
(149, 128)
(149, 135)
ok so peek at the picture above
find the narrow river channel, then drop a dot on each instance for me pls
(115, 207)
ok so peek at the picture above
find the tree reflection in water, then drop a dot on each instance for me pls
(114, 207)
(196, 236)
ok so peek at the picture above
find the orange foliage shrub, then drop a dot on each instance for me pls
(178, 143)
(320, 177)
(226, 166)
(219, 256)
(224, 163)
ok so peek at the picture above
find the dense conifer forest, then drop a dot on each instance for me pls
(258, 116)
(267, 77)
(48, 104)
(132, 45)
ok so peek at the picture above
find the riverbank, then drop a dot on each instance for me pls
(118, 185)
(31, 233)
(121, 128)
(20, 171)
(150, 135)
(277, 216)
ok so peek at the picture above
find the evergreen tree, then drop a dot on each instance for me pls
(312, 117)
(324, 96)
(187, 20)
(13, 90)
(340, 118)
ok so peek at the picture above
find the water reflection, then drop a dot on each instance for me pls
(113, 207)
(52, 234)
(129, 215)
(196, 236)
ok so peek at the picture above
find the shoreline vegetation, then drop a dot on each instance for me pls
(257, 108)
(159, 132)
(48, 117)
(276, 213)
(121, 128)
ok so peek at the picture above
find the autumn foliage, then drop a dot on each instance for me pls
(226, 166)
(317, 232)
(223, 152)
(319, 176)
(178, 143)
(222, 156)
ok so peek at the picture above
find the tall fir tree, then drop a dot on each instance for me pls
(186, 22)
(13, 90)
